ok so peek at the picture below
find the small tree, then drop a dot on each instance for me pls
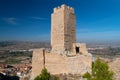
(100, 71)
(87, 75)
(45, 75)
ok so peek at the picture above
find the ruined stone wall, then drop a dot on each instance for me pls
(82, 48)
(57, 64)
(79, 64)
(37, 62)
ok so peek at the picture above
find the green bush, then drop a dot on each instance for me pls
(100, 71)
(45, 75)
(87, 75)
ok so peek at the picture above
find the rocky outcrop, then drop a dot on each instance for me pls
(115, 66)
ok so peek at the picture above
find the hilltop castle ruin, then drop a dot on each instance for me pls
(65, 56)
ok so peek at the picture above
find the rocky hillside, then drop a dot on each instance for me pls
(115, 66)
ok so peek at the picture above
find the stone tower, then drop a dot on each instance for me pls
(63, 28)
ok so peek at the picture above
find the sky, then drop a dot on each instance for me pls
(30, 20)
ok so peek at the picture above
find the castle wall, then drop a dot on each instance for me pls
(82, 48)
(57, 64)
(37, 62)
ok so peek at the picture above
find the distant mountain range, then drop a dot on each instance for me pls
(10, 45)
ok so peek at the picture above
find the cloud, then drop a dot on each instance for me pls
(10, 20)
(39, 18)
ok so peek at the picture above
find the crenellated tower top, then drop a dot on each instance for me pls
(63, 7)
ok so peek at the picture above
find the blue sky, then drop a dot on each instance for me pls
(29, 20)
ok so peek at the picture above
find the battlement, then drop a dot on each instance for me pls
(64, 7)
